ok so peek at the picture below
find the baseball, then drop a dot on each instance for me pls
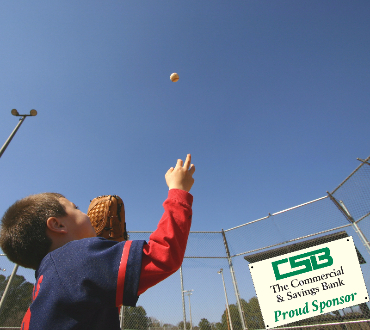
(174, 77)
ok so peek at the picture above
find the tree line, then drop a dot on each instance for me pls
(252, 318)
(17, 301)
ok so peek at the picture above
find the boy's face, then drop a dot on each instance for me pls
(78, 223)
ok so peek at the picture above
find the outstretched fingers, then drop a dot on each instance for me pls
(192, 169)
(181, 177)
(187, 161)
(179, 163)
(170, 170)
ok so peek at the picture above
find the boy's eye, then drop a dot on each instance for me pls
(76, 207)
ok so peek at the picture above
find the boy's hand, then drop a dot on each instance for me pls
(181, 177)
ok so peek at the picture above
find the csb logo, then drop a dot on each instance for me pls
(309, 262)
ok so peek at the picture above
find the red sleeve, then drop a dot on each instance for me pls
(163, 254)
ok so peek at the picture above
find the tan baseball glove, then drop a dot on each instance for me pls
(107, 215)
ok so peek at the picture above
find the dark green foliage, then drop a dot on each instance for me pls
(17, 301)
(252, 316)
(135, 318)
(180, 325)
(204, 325)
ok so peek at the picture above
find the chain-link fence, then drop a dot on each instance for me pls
(213, 290)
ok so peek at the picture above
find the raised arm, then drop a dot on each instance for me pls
(164, 253)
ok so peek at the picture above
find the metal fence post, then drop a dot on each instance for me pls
(183, 299)
(229, 323)
(340, 205)
(122, 320)
(241, 313)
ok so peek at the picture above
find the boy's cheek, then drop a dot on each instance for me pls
(90, 231)
(93, 233)
(87, 230)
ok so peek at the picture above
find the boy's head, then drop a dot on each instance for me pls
(38, 224)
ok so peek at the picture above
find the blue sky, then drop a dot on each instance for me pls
(272, 102)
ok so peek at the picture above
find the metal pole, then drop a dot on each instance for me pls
(8, 285)
(227, 319)
(21, 120)
(188, 293)
(340, 205)
(227, 301)
(234, 281)
(356, 228)
(349, 176)
(183, 299)
(14, 112)
(362, 236)
(191, 323)
(122, 321)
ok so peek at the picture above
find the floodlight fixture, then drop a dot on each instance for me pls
(15, 112)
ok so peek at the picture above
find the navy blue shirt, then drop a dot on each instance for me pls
(81, 284)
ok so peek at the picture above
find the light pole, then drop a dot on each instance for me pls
(182, 297)
(14, 112)
(188, 293)
(221, 271)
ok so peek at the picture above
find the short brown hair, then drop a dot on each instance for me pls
(23, 230)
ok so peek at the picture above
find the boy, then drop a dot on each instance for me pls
(81, 279)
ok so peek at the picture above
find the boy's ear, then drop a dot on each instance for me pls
(56, 225)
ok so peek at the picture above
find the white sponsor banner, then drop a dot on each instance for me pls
(309, 282)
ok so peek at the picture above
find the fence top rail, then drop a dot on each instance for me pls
(363, 217)
(276, 213)
(193, 232)
(347, 178)
(206, 232)
(291, 240)
(193, 257)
